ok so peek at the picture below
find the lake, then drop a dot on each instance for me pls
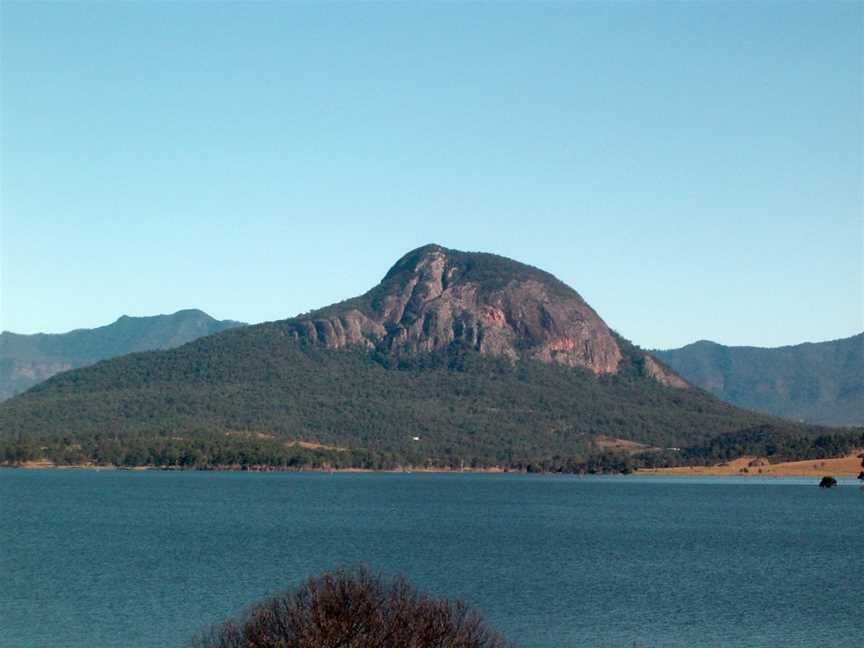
(140, 559)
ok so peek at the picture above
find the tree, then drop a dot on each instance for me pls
(353, 608)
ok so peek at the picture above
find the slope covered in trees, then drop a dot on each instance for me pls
(26, 360)
(519, 376)
(461, 406)
(814, 382)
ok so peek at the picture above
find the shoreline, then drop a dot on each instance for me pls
(49, 465)
(849, 466)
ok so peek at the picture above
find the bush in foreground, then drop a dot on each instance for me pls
(354, 608)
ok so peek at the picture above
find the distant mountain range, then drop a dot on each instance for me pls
(26, 360)
(819, 382)
(453, 357)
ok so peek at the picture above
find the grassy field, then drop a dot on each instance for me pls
(848, 466)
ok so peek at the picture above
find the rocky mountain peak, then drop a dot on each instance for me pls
(434, 297)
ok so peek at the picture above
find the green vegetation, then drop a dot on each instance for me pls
(777, 443)
(354, 608)
(243, 397)
(26, 360)
(199, 452)
(820, 383)
(210, 402)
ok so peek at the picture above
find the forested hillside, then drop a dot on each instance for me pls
(814, 382)
(26, 360)
(519, 376)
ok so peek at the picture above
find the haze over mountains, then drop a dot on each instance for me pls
(452, 357)
(26, 360)
(819, 382)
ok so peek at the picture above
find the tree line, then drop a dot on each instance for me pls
(250, 452)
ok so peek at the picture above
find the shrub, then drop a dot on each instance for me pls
(828, 482)
(353, 608)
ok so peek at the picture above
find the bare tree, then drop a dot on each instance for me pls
(353, 608)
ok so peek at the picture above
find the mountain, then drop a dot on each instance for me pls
(452, 357)
(819, 383)
(26, 360)
(434, 298)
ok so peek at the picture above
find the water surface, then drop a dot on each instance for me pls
(140, 559)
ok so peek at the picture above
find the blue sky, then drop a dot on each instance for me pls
(693, 170)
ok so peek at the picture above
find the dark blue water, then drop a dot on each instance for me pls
(99, 559)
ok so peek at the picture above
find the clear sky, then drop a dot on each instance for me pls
(694, 170)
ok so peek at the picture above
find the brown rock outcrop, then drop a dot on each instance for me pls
(434, 297)
(663, 374)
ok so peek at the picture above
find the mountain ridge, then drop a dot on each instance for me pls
(453, 357)
(815, 382)
(27, 359)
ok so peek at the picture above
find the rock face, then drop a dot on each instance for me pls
(433, 298)
(663, 374)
